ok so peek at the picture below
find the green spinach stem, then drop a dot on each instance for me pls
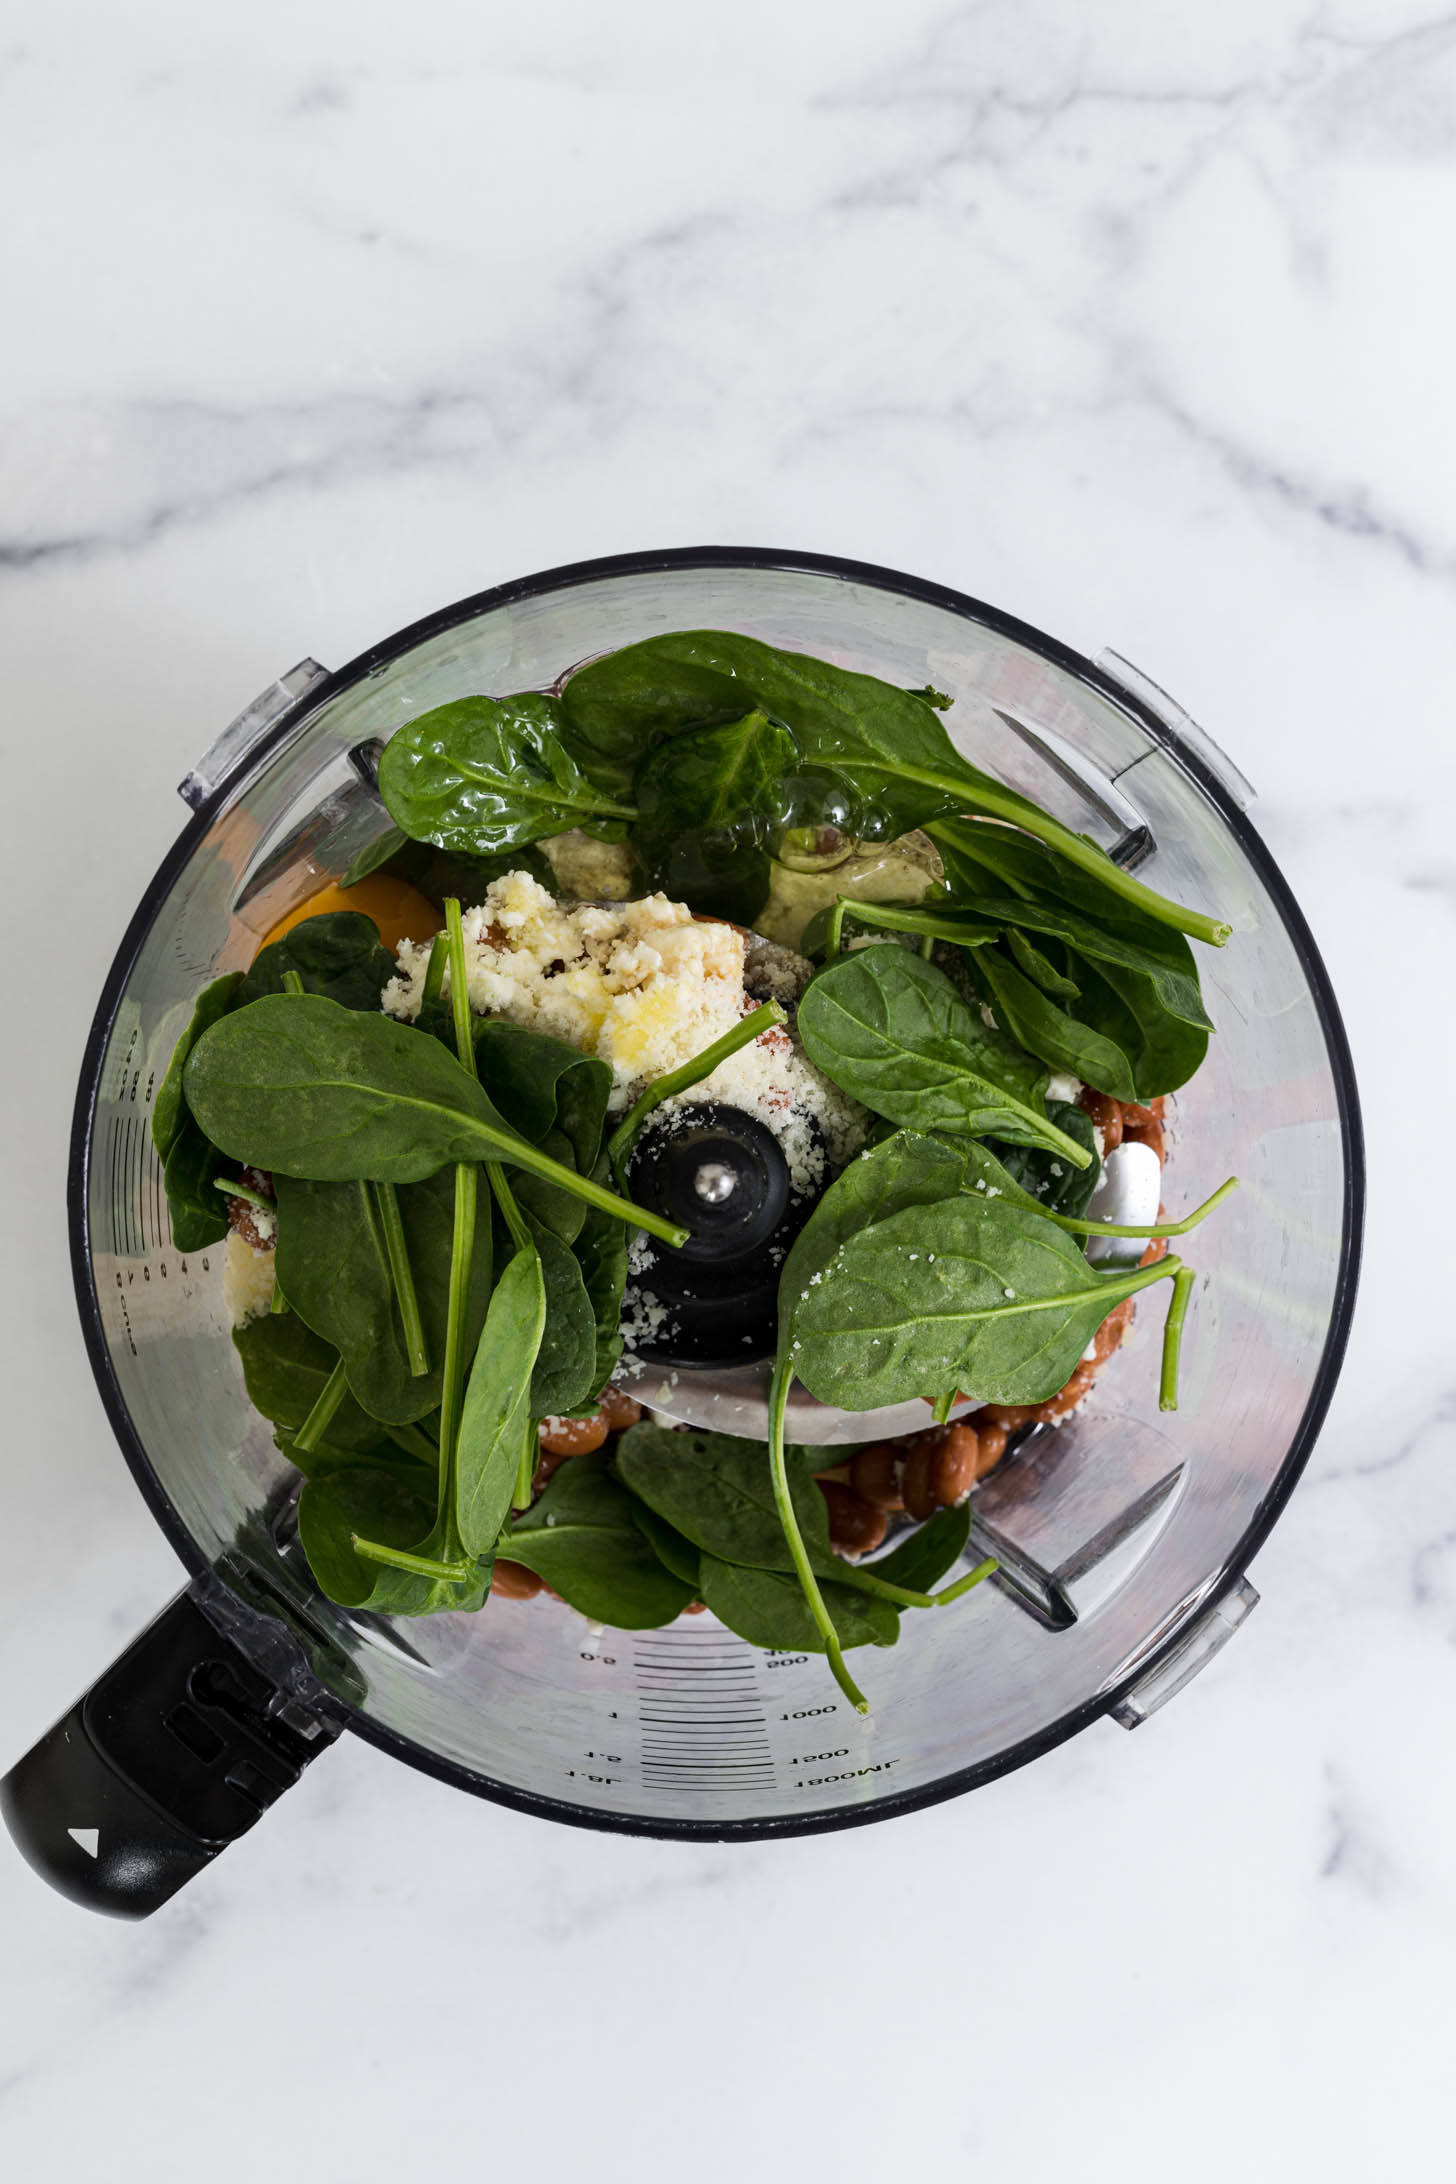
(962, 1585)
(834, 931)
(784, 1503)
(435, 969)
(1006, 804)
(511, 1213)
(462, 1251)
(866, 1581)
(331, 1395)
(526, 1468)
(944, 1405)
(399, 1558)
(414, 1442)
(1156, 1228)
(402, 1275)
(293, 983)
(692, 1072)
(459, 989)
(279, 1303)
(1183, 1281)
(244, 1191)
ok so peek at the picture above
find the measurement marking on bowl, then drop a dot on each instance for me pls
(712, 1736)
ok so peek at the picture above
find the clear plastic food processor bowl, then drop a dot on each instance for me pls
(1123, 1535)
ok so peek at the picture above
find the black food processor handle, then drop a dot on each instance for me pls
(172, 1754)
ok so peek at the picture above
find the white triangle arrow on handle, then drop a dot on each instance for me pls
(88, 1838)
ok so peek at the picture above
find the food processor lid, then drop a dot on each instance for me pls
(266, 727)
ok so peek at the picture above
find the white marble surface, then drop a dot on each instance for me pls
(1136, 320)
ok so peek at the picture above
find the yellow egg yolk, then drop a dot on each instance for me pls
(400, 911)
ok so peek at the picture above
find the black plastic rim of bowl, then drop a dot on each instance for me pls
(1259, 858)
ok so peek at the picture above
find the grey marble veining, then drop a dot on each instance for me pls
(1134, 320)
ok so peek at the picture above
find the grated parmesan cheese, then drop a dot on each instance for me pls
(247, 1279)
(642, 984)
(646, 986)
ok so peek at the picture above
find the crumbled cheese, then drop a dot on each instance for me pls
(1063, 1086)
(247, 1278)
(643, 984)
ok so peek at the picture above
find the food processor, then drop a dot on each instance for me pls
(1121, 1537)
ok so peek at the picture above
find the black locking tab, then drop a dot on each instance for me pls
(173, 1753)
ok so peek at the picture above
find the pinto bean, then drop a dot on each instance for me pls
(955, 1464)
(513, 1581)
(1105, 1114)
(990, 1446)
(918, 1479)
(618, 1409)
(855, 1525)
(1011, 1417)
(573, 1436)
(1058, 1406)
(875, 1474)
(243, 1214)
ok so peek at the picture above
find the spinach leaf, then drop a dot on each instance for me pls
(924, 1555)
(601, 1253)
(769, 1610)
(673, 1551)
(891, 1030)
(498, 1417)
(1049, 1031)
(582, 1539)
(285, 1368)
(367, 1503)
(169, 1109)
(973, 920)
(327, 1456)
(197, 1211)
(705, 802)
(334, 1268)
(374, 856)
(539, 1083)
(717, 1491)
(1164, 1052)
(189, 1161)
(337, 954)
(1039, 968)
(907, 1169)
(1048, 1180)
(488, 774)
(300, 1086)
(986, 1295)
(713, 777)
(889, 740)
(557, 1099)
(566, 1360)
(1164, 959)
(549, 1207)
(436, 873)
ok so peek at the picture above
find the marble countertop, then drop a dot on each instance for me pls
(1133, 320)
